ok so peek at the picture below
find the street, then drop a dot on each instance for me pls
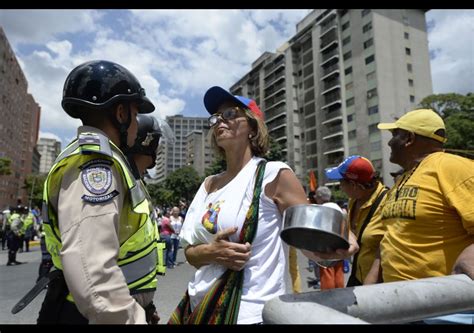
(16, 281)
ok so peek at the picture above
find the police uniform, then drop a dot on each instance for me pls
(96, 217)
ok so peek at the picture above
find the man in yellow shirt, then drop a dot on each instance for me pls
(429, 212)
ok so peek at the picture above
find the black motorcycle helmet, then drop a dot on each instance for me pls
(147, 141)
(99, 84)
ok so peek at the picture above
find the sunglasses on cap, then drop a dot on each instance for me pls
(227, 114)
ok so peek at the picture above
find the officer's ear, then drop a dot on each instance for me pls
(121, 114)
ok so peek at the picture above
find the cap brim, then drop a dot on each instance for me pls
(216, 96)
(387, 126)
(333, 174)
(146, 106)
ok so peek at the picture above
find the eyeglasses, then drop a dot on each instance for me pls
(227, 114)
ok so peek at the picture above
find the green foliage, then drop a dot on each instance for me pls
(183, 183)
(275, 151)
(34, 184)
(458, 113)
(338, 195)
(160, 195)
(5, 168)
(217, 166)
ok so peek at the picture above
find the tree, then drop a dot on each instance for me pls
(184, 183)
(217, 166)
(34, 184)
(458, 113)
(5, 168)
(160, 195)
(275, 151)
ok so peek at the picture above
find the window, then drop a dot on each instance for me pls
(373, 110)
(405, 20)
(349, 101)
(373, 128)
(346, 25)
(407, 35)
(350, 118)
(349, 85)
(367, 27)
(369, 59)
(347, 55)
(348, 70)
(407, 51)
(368, 43)
(346, 40)
(412, 99)
(365, 12)
(352, 134)
(371, 76)
(409, 68)
(372, 93)
(410, 82)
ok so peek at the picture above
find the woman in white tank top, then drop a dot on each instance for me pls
(210, 233)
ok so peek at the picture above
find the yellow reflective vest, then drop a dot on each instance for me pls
(140, 255)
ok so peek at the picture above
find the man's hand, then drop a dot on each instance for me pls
(154, 319)
(338, 254)
(229, 254)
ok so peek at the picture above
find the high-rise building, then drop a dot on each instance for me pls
(326, 89)
(19, 126)
(49, 149)
(173, 156)
(199, 153)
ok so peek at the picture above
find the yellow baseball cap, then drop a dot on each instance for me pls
(424, 122)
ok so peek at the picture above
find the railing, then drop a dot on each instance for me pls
(330, 69)
(330, 54)
(384, 303)
(332, 114)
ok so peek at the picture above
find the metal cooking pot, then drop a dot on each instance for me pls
(315, 228)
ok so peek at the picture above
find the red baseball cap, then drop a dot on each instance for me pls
(355, 168)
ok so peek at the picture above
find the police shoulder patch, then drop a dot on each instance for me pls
(97, 178)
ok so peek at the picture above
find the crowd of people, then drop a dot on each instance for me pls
(96, 203)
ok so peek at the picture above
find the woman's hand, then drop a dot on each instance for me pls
(229, 254)
(220, 251)
(338, 254)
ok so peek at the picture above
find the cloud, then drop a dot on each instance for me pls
(43, 26)
(47, 135)
(451, 46)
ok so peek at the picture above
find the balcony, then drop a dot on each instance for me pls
(327, 28)
(274, 100)
(332, 131)
(329, 117)
(331, 85)
(329, 71)
(274, 77)
(273, 125)
(270, 92)
(326, 57)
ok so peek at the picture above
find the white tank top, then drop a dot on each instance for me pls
(264, 275)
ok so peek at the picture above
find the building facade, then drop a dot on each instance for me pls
(19, 126)
(325, 90)
(199, 153)
(49, 149)
(173, 156)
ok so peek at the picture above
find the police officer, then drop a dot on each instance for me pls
(15, 225)
(142, 156)
(96, 216)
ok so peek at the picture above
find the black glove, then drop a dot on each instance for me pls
(152, 317)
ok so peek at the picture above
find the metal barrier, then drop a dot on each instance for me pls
(384, 303)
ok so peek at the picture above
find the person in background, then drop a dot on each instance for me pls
(429, 212)
(165, 234)
(330, 276)
(358, 179)
(96, 215)
(15, 225)
(28, 227)
(176, 222)
(220, 234)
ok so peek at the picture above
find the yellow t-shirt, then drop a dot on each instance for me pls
(432, 220)
(372, 235)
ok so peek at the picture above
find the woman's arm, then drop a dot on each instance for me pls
(220, 251)
(286, 191)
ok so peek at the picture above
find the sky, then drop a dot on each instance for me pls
(178, 54)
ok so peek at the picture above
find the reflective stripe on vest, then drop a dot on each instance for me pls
(131, 253)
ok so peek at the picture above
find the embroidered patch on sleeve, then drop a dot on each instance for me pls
(97, 179)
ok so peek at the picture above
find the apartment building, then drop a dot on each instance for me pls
(19, 126)
(325, 90)
(199, 153)
(171, 157)
(49, 149)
